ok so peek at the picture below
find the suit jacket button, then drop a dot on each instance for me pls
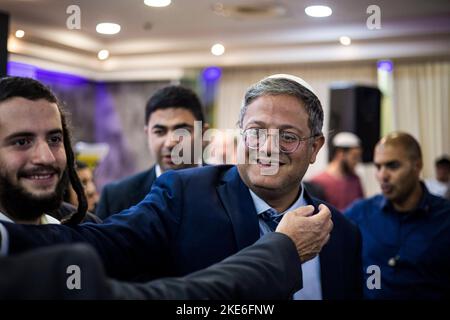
(392, 262)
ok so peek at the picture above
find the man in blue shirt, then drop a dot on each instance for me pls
(405, 230)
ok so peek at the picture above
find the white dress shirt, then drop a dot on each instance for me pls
(312, 284)
(4, 240)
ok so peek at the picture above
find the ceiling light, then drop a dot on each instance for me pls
(217, 49)
(107, 28)
(345, 41)
(20, 34)
(318, 11)
(103, 54)
(157, 3)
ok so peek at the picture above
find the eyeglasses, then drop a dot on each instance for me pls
(287, 142)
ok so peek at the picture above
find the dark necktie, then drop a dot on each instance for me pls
(271, 217)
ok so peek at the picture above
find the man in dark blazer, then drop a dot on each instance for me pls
(169, 109)
(120, 195)
(194, 218)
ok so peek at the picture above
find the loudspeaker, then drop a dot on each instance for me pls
(356, 109)
(4, 26)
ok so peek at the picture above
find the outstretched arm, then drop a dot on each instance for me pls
(130, 243)
(268, 269)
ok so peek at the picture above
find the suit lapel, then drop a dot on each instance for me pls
(150, 177)
(239, 206)
(330, 273)
(145, 182)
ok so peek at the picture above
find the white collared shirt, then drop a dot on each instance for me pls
(312, 284)
(4, 239)
(4, 245)
(45, 219)
(158, 171)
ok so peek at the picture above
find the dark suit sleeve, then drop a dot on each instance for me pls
(269, 269)
(123, 194)
(49, 273)
(131, 243)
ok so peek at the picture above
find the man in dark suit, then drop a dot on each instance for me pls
(265, 270)
(194, 218)
(169, 109)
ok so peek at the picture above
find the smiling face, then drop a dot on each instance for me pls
(32, 154)
(287, 114)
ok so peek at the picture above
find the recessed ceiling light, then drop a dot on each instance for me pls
(217, 49)
(103, 54)
(20, 34)
(345, 41)
(318, 11)
(107, 28)
(157, 3)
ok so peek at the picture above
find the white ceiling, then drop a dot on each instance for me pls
(164, 42)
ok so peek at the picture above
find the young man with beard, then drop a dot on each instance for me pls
(194, 218)
(36, 158)
(339, 182)
(405, 230)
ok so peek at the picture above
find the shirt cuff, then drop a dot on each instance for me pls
(3, 240)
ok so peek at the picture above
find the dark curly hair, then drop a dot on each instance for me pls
(174, 97)
(31, 89)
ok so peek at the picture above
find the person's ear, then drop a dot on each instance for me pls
(418, 165)
(315, 147)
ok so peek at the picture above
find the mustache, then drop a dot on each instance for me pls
(39, 170)
(273, 158)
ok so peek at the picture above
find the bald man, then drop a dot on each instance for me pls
(405, 230)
